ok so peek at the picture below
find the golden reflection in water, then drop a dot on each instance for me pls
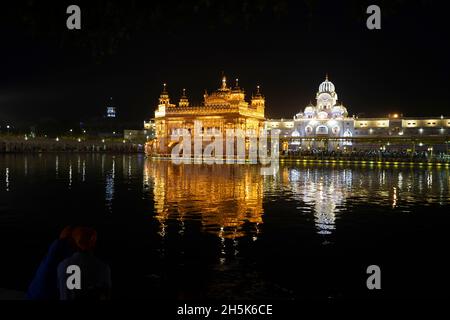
(222, 197)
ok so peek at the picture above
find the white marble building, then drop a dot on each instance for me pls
(326, 124)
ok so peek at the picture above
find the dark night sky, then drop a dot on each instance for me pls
(128, 50)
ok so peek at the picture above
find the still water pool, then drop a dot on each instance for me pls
(225, 231)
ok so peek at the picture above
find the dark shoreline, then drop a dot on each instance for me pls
(14, 145)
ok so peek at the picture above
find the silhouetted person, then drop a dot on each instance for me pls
(95, 275)
(43, 285)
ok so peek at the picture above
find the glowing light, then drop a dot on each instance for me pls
(332, 123)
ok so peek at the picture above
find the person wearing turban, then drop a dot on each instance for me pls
(43, 285)
(95, 274)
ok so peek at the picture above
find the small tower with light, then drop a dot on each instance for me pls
(184, 101)
(258, 101)
(164, 99)
(111, 110)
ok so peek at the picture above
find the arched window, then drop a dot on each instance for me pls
(322, 130)
(348, 133)
(323, 115)
(308, 130)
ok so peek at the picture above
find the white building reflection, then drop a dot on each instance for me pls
(321, 192)
(224, 198)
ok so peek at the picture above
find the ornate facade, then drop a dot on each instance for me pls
(225, 108)
(327, 125)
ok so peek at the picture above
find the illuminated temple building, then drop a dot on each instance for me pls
(325, 125)
(226, 108)
(328, 126)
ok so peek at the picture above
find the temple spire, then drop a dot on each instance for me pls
(224, 82)
(184, 101)
(258, 100)
(258, 92)
(164, 96)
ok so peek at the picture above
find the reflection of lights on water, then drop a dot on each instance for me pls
(255, 237)
(231, 199)
(348, 178)
(83, 176)
(400, 180)
(231, 205)
(162, 231)
(182, 228)
(109, 189)
(429, 179)
(57, 166)
(294, 175)
(420, 183)
(222, 246)
(323, 195)
(70, 175)
(7, 179)
(394, 197)
(129, 167)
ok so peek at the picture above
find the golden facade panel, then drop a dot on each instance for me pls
(223, 109)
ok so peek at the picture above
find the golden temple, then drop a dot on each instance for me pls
(223, 109)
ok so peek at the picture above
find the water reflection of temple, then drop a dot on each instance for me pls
(224, 198)
(227, 198)
(320, 192)
(327, 192)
